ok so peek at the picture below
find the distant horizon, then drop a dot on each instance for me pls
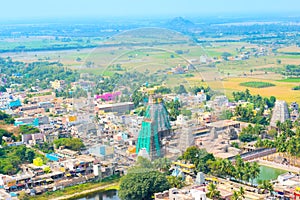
(93, 19)
(35, 10)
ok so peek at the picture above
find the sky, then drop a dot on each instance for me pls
(28, 9)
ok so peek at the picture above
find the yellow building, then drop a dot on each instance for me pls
(57, 84)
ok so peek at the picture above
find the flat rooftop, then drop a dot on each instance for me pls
(103, 106)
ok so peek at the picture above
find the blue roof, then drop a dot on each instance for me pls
(15, 103)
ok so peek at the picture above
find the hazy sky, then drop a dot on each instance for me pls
(23, 9)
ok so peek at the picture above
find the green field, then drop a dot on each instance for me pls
(290, 80)
(257, 84)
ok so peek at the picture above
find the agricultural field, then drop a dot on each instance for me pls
(159, 52)
(257, 84)
(282, 90)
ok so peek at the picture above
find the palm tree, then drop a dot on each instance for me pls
(246, 172)
(254, 171)
(241, 192)
(238, 195)
(266, 186)
(239, 173)
(235, 196)
(223, 167)
(229, 170)
(213, 192)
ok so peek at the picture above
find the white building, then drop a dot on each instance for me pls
(200, 97)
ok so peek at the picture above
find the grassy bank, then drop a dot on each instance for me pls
(114, 186)
(79, 190)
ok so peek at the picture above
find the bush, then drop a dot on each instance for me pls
(296, 87)
(247, 137)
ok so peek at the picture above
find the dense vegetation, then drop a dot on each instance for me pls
(9, 135)
(257, 84)
(12, 157)
(292, 70)
(173, 108)
(199, 157)
(38, 74)
(205, 162)
(8, 119)
(142, 185)
(146, 178)
(285, 139)
(45, 147)
(70, 143)
(251, 133)
(26, 129)
(253, 111)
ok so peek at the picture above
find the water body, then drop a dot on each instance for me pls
(268, 173)
(107, 195)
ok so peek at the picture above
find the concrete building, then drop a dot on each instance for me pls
(181, 194)
(116, 107)
(35, 121)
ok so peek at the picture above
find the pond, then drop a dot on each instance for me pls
(107, 195)
(268, 173)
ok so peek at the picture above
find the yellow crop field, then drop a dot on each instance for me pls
(281, 90)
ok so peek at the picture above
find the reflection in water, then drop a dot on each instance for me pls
(107, 195)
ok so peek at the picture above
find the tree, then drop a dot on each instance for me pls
(143, 163)
(187, 113)
(278, 61)
(70, 143)
(213, 192)
(23, 196)
(173, 109)
(238, 195)
(254, 171)
(142, 186)
(163, 164)
(241, 192)
(199, 157)
(180, 89)
(175, 182)
(30, 154)
(266, 186)
(27, 129)
(235, 196)
(226, 114)
(225, 55)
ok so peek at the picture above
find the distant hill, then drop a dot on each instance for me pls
(180, 23)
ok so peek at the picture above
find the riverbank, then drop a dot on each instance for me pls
(77, 191)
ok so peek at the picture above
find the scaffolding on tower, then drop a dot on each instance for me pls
(155, 127)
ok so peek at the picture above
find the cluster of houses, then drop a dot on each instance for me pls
(109, 131)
